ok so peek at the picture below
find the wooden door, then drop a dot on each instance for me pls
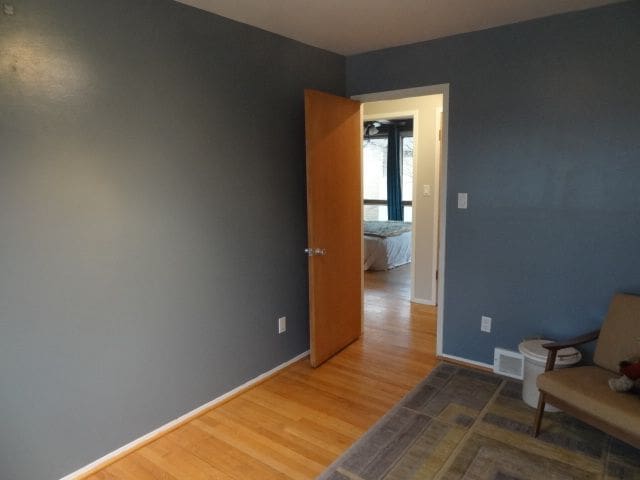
(334, 210)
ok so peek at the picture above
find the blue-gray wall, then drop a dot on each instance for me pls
(544, 135)
(152, 209)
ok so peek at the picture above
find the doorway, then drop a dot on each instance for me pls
(422, 279)
(328, 139)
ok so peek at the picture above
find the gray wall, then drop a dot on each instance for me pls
(152, 206)
(545, 137)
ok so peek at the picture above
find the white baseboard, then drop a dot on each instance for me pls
(138, 442)
(467, 361)
(422, 301)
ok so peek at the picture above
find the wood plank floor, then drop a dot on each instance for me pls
(295, 424)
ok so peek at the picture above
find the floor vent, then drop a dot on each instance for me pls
(506, 362)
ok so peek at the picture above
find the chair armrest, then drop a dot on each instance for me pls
(553, 347)
(574, 342)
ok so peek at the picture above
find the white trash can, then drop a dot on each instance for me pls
(535, 360)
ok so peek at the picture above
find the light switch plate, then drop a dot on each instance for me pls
(462, 200)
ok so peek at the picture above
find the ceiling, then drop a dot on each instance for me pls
(354, 26)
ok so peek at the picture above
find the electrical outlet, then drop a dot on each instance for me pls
(485, 324)
(282, 325)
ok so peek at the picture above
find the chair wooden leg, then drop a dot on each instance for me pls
(538, 420)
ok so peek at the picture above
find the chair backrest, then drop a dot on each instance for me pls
(620, 334)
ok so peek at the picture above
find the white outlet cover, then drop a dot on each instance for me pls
(485, 324)
(282, 324)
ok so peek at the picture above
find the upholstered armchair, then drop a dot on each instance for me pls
(584, 391)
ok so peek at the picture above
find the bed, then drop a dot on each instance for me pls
(386, 244)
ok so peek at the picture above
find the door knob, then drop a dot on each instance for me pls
(313, 252)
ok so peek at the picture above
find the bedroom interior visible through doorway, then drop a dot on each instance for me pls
(423, 110)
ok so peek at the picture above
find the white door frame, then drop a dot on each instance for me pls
(442, 89)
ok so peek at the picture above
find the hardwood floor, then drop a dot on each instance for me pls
(295, 424)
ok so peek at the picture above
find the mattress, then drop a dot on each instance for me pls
(384, 229)
(383, 253)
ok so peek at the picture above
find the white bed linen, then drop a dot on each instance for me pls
(386, 253)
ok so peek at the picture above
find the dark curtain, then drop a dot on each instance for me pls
(394, 175)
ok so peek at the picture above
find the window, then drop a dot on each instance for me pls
(375, 178)
(407, 174)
